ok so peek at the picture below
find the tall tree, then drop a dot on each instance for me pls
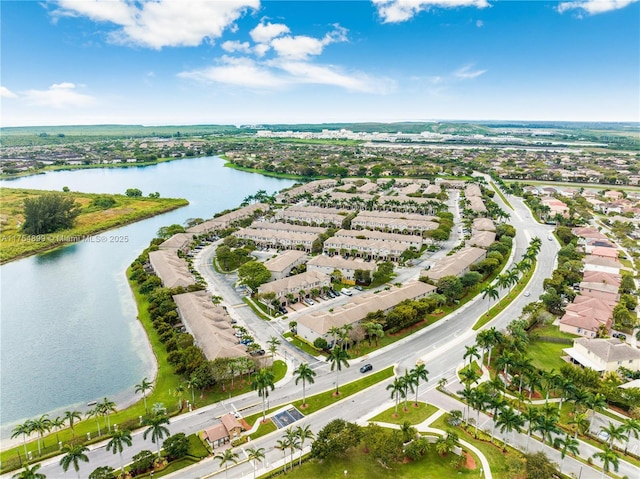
(157, 427)
(95, 413)
(338, 358)
(118, 440)
(107, 406)
(225, 458)
(303, 433)
(609, 459)
(491, 292)
(25, 429)
(471, 352)
(305, 374)
(273, 345)
(509, 421)
(41, 425)
(144, 386)
(71, 417)
(567, 445)
(73, 455)
(397, 390)
(631, 428)
(262, 382)
(419, 373)
(255, 454)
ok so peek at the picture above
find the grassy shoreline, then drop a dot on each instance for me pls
(272, 174)
(91, 221)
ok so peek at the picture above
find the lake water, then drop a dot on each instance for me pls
(68, 328)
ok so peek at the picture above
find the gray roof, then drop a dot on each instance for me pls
(338, 262)
(610, 349)
(177, 241)
(455, 264)
(172, 270)
(284, 260)
(210, 325)
(295, 283)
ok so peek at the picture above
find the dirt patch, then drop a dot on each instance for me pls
(470, 462)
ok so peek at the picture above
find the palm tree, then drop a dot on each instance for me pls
(303, 433)
(491, 292)
(596, 402)
(26, 428)
(419, 373)
(143, 387)
(273, 346)
(512, 278)
(566, 445)
(609, 458)
(497, 404)
(471, 352)
(483, 341)
(71, 417)
(306, 374)
(119, 439)
(282, 445)
(334, 331)
(95, 412)
(580, 422)
(30, 473)
(509, 421)
(338, 358)
(478, 399)
(292, 440)
(192, 383)
(107, 406)
(225, 458)
(469, 375)
(632, 428)
(615, 433)
(407, 383)
(397, 390)
(262, 382)
(41, 425)
(567, 389)
(547, 424)
(467, 395)
(530, 415)
(494, 338)
(506, 359)
(255, 454)
(158, 429)
(57, 424)
(72, 456)
(344, 335)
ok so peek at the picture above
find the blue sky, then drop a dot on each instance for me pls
(251, 61)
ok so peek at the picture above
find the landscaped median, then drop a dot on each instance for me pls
(327, 398)
(499, 307)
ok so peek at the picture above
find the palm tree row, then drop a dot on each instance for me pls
(293, 440)
(43, 425)
(410, 381)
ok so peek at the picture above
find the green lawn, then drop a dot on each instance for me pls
(360, 466)
(298, 343)
(552, 331)
(264, 429)
(546, 356)
(495, 456)
(414, 415)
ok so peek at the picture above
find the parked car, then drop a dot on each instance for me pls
(358, 287)
(527, 293)
(283, 310)
(366, 368)
(347, 291)
(246, 342)
(620, 336)
(258, 352)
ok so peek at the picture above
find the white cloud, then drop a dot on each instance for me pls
(593, 7)
(265, 32)
(466, 73)
(160, 23)
(243, 72)
(6, 93)
(305, 72)
(395, 11)
(236, 46)
(277, 73)
(59, 95)
(300, 47)
(479, 23)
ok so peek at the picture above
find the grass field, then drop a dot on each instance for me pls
(91, 220)
(546, 355)
(414, 415)
(359, 465)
